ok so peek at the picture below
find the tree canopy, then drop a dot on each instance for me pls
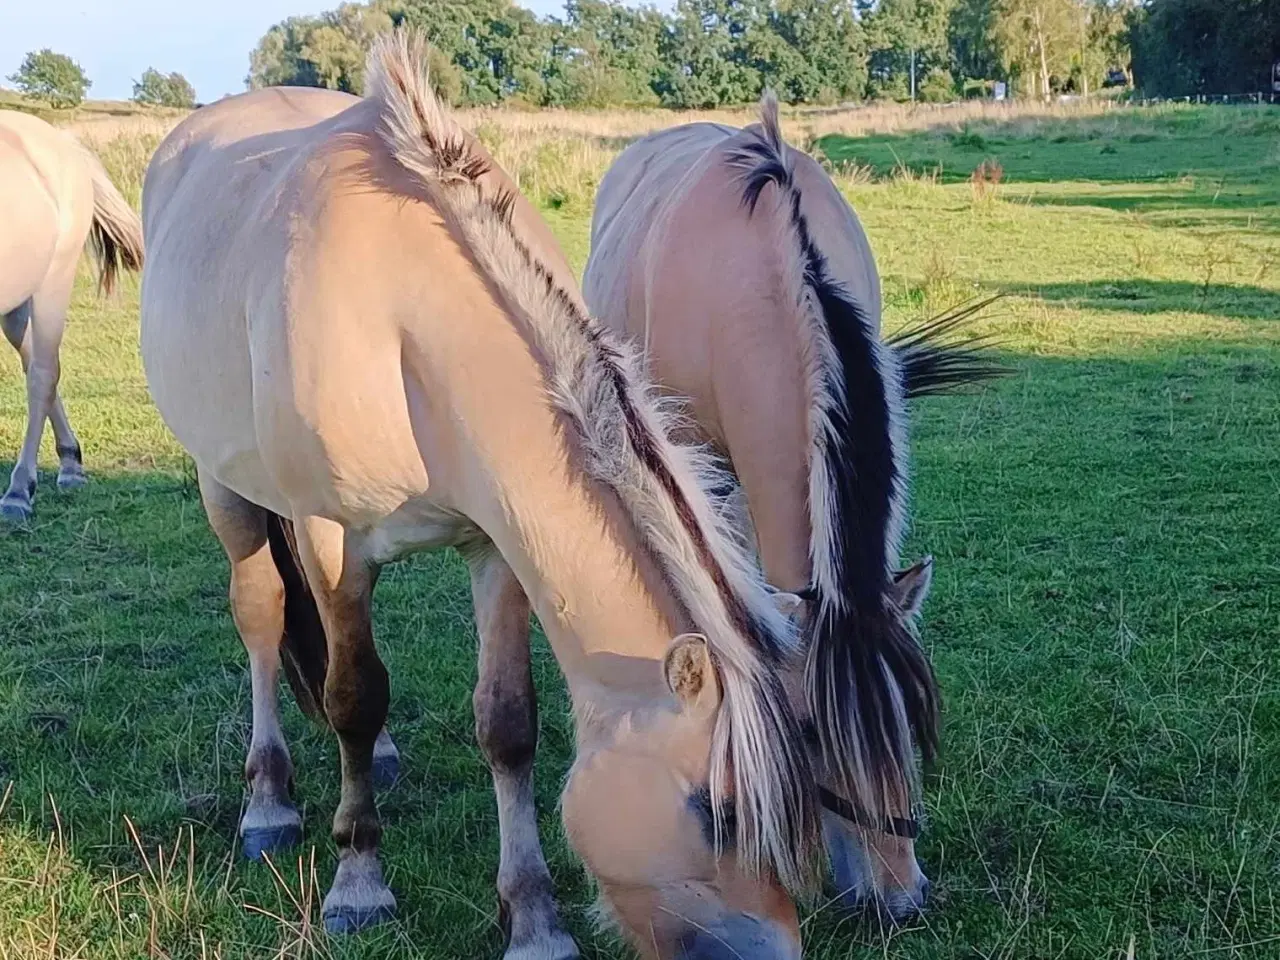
(1188, 47)
(706, 53)
(52, 77)
(161, 90)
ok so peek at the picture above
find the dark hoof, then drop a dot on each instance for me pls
(385, 770)
(343, 920)
(259, 840)
(15, 511)
(72, 481)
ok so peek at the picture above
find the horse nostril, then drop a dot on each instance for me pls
(923, 893)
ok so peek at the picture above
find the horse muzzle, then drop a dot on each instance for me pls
(738, 936)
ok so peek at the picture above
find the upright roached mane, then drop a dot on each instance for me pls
(869, 684)
(595, 380)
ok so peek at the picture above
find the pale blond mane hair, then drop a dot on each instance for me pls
(868, 682)
(595, 381)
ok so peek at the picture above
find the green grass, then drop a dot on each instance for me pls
(1104, 617)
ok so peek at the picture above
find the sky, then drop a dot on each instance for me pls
(116, 40)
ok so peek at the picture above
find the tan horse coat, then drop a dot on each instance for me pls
(54, 197)
(737, 266)
(371, 345)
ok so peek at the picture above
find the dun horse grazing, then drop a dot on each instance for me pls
(371, 345)
(54, 195)
(748, 281)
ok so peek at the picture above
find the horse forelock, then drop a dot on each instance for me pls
(595, 381)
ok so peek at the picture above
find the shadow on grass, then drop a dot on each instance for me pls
(1236, 147)
(1162, 296)
(1215, 206)
(1098, 621)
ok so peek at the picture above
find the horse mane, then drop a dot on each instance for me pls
(869, 684)
(595, 381)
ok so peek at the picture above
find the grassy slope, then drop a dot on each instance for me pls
(1103, 616)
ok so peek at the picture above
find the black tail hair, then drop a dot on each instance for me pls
(304, 652)
(933, 361)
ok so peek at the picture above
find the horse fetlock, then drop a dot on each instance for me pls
(269, 771)
(359, 896)
(71, 475)
(533, 930)
(271, 822)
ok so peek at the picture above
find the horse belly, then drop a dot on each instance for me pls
(196, 356)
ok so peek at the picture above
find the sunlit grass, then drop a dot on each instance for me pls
(1104, 615)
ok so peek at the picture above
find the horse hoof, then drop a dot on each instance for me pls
(386, 770)
(557, 946)
(15, 511)
(256, 841)
(71, 481)
(346, 920)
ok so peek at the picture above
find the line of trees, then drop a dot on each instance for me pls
(705, 53)
(57, 80)
(1190, 47)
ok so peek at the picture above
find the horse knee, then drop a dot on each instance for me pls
(357, 693)
(506, 726)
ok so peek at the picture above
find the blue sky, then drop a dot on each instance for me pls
(115, 40)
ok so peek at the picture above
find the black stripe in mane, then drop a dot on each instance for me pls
(863, 661)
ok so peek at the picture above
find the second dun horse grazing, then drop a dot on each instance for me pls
(54, 196)
(737, 266)
(371, 345)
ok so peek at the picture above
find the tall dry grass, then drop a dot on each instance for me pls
(558, 156)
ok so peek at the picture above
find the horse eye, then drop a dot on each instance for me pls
(700, 801)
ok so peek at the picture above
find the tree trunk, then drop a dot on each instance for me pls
(1044, 57)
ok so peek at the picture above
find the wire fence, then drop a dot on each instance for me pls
(1258, 98)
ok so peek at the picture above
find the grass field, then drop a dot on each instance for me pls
(1104, 619)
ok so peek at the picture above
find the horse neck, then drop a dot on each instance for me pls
(604, 605)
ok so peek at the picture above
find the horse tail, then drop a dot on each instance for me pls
(116, 232)
(938, 356)
(305, 654)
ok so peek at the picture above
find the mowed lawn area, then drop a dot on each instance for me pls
(1104, 620)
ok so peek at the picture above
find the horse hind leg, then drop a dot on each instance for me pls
(35, 330)
(507, 730)
(355, 698)
(271, 821)
(41, 375)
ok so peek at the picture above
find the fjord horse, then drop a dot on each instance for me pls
(743, 275)
(54, 196)
(371, 345)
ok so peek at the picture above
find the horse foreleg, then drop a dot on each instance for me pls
(507, 730)
(271, 821)
(356, 694)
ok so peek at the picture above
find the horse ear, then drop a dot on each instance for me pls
(911, 586)
(691, 674)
